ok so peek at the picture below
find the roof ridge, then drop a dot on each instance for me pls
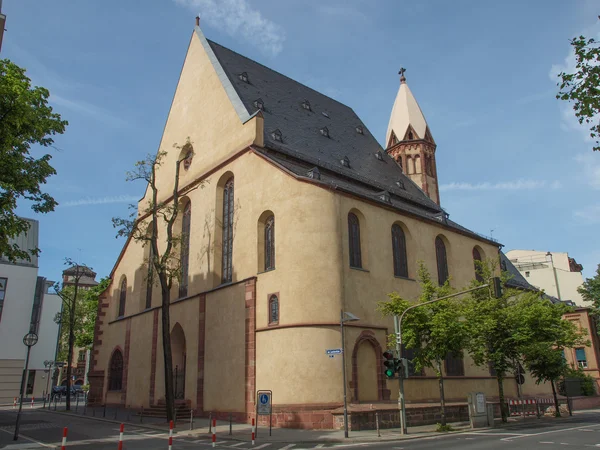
(210, 41)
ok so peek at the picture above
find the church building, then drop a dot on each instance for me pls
(301, 215)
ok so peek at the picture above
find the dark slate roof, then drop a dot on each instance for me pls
(303, 144)
(517, 281)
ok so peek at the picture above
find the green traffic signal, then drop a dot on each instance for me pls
(390, 364)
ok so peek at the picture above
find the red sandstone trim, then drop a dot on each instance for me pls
(126, 361)
(250, 359)
(201, 350)
(320, 324)
(151, 391)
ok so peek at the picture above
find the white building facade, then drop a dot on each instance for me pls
(25, 305)
(555, 272)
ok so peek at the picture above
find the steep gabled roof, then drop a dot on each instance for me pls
(517, 281)
(406, 112)
(304, 129)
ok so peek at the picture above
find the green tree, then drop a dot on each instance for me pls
(432, 331)
(155, 227)
(491, 328)
(26, 119)
(542, 334)
(583, 86)
(590, 289)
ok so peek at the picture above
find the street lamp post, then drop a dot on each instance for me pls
(48, 364)
(345, 317)
(29, 340)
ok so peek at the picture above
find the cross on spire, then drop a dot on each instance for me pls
(402, 77)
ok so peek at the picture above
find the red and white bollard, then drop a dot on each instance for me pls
(121, 436)
(253, 431)
(64, 440)
(15, 403)
(214, 430)
(171, 435)
(32, 399)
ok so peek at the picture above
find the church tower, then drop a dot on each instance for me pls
(410, 143)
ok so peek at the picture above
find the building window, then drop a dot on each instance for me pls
(354, 241)
(273, 309)
(122, 297)
(227, 266)
(185, 250)
(149, 275)
(270, 243)
(442, 262)
(115, 382)
(581, 359)
(454, 366)
(527, 274)
(476, 258)
(399, 251)
(81, 356)
(409, 354)
(3, 282)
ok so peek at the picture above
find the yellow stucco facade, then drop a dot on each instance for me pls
(222, 334)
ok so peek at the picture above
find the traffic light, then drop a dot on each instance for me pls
(389, 363)
(497, 287)
(402, 367)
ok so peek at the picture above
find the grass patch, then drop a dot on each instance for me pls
(443, 428)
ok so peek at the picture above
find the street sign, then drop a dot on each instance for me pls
(334, 351)
(263, 408)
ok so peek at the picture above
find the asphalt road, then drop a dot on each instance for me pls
(41, 430)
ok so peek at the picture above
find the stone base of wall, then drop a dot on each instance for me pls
(579, 403)
(389, 417)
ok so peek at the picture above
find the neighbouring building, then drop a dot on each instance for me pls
(26, 305)
(556, 273)
(2, 24)
(302, 215)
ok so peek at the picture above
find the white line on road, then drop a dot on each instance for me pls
(546, 442)
(287, 446)
(236, 445)
(30, 440)
(548, 432)
(319, 446)
(261, 446)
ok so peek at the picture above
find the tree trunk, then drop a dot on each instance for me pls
(442, 396)
(556, 405)
(503, 411)
(71, 345)
(166, 338)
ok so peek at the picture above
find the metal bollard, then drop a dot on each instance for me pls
(104, 412)
(377, 423)
(191, 419)
(77, 403)
(210, 422)
(230, 425)
(116, 412)
(141, 414)
(55, 403)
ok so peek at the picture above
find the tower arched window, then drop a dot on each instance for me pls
(476, 258)
(354, 241)
(442, 260)
(115, 380)
(122, 297)
(399, 251)
(273, 309)
(227, 263)
(270, 243)
(185, 250)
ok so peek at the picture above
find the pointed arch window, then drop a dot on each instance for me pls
(442, 261)
(122, 297)
(115, 381)
(227, 263)
(477, 257)
(185, 249)
(354, 241)
(273, 309)
(455, 366)
(150, 277)
(270, 243)
(399, 251)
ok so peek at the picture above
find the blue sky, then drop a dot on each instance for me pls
(511, 158)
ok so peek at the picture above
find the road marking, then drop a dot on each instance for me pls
(29, 439)
(546, 442)
(319, 446)
(287, 446)
(236, 445)
(261, 446)
(548, 432)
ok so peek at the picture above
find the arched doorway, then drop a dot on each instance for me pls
(368, 389)
(179, 360)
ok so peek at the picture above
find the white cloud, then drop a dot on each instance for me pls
(516, 185)
(237, 17)
(100, 201)
(589, 215)
(88, 109)
(590, 167)
(342, 11)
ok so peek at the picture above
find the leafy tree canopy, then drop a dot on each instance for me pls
(583, 86)
(590, 290)
(26, 119)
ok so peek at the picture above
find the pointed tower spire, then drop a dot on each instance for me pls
(409, 141)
